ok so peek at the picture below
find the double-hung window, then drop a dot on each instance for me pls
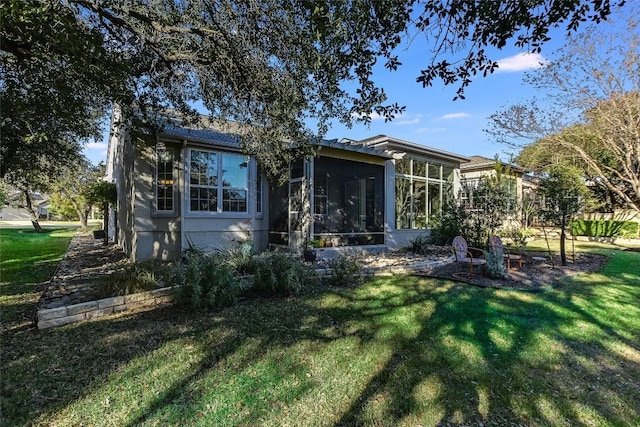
(218, 182)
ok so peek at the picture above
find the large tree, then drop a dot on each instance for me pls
(74, 186)
(272, 64)
(590, 113)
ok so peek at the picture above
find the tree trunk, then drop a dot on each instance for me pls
(84, 218)
(563, 238)
(35, 221)
(83, 213)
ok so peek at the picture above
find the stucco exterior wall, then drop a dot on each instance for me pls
(157, 235)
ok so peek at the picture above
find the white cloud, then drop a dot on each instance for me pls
(453, 116)
(406, 122)
(430, 130)
(521, 62)
(96, 145)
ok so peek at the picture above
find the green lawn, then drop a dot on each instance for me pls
(394, 351)
(27, 259)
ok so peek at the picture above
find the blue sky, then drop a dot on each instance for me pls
(432, 117)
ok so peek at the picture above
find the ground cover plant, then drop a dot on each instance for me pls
(27, 259)
(392, 351)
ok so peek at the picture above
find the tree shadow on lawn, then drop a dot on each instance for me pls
(468, 355)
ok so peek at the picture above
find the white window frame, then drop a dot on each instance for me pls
(219, 187)
(156, 211)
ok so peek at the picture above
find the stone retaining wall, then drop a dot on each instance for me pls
(48, 318)
(393, 270)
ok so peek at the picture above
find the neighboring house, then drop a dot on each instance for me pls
(182, 187)
(512, 178)
(15, 211)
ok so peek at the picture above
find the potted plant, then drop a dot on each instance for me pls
(103, 193)
(308, 251)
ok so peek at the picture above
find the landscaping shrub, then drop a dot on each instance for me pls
(451, 222)
(345, 271)
(130, 280)
(279, 272)
(604, 228)
(238, 258)
(518, 235)
(206, 281)
(420, 245)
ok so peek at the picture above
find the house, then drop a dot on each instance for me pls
(180, 187)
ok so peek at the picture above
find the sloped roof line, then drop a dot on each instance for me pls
(379, 140)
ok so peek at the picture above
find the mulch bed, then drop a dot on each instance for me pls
(536, 274)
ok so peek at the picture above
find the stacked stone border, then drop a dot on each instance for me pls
(52, 317)
(393, 270)
(48, 318)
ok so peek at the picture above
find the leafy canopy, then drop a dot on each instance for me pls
(271, 64)
(590, 113)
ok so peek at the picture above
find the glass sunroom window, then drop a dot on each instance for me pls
(218, 182)
(420, 189)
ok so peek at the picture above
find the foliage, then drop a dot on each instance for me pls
(75, 189)
(449, 223)
(604, 228)
(52, 99)
(281, 273)
(488, 204)
(62, 208)
(590, 113)
(518, 235)
(565, 194)
(487, 211)
(203, 281)
(129, 280)
(267, 63)
(345, 271)
(102, 192)
(420, 244)
(238, 257)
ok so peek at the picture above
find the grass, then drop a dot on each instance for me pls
(27, 259)
(393, 351)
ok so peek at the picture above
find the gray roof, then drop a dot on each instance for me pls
(227, 133)
(210, 131)
(481, 162)
(399, 146)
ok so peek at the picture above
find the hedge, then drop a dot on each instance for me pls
(604, 228)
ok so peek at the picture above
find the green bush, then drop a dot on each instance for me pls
(130, 280)
(420, 245)
(278, 272)
(449, 223)
(604, 228)
(238, 257)
(345, 271)
(206, 281)
(518, 235)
